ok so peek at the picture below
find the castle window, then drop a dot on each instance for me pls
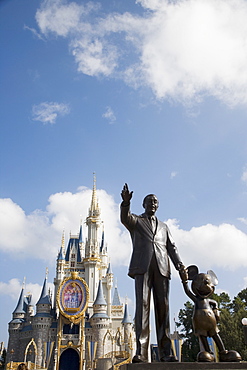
(72, 264)
(73, 255)
(68, 330)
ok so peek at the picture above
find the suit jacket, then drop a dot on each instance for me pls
(147, 241)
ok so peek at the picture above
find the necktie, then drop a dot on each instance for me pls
(152, 221)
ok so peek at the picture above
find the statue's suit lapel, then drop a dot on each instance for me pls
(148, 225)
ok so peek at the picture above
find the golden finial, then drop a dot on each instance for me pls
(46, 272)
(94, 200)
(94, 180)
(24, 282)
(94, 203)
(63, 240)
(74, 275)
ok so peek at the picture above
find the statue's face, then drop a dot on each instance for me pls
(151, 205)
(202, 285)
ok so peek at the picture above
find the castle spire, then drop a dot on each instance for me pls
(100, 300)
(126, 318)
(44, 296)
(61, 253)
(102, 241)
(63, 242)
(93, 222)
(94, 209)
(20, 304)
(116, 300)
(80, 235)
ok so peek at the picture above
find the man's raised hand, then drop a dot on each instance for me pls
(126, 194)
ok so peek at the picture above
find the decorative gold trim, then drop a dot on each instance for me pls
(74, 275)
(76, 317)
(95, 259)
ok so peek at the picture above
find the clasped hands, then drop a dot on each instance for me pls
(183, 273)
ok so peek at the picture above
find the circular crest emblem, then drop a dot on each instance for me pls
(72, 297)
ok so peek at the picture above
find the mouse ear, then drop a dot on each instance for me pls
(192, 271)
(213, 276)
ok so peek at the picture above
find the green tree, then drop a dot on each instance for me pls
(190, 346)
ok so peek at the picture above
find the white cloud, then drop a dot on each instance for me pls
(59, 17)
(244, 176)
(94, 56)
(48, 112)
(173, 174)
(182, 50)
(38, 234)
(245, 283)
(243, 220)
(34, 32)
(13, 288)
(26, 235)
(209, 245)
(109, 115)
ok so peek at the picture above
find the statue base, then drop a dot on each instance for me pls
(186, 366)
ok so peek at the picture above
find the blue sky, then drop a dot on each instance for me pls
(153, 93)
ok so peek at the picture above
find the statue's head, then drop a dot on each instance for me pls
(203, 284)
(150, 204)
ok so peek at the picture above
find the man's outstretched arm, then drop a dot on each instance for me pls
(127, 219)
(126, 195)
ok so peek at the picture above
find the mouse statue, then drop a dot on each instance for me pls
(206, 315)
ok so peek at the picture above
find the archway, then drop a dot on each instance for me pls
(69, 359)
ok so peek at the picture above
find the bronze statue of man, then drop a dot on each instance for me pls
(150, 267)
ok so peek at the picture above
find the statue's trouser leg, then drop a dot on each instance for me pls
(142, 290)
(161, 308)
(152, 279)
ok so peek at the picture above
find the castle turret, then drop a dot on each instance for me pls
(30, 307)
(59, 268)
(19, 311)
(128, 330)
(92, 261)
(81, 243)
(109, 285)
(42, 321)
(103, 255)
(100, 320)
(127, 323)
(15, 325)
(44, 303)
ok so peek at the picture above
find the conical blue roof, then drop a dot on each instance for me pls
(44, 297)
(109, 270)
(116, 300)
(27, 301)
(102, 242)
(100, 296)
(60, 254)
(20, 305)
(126, 318)
(80, 235)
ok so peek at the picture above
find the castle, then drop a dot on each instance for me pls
(86, 326)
